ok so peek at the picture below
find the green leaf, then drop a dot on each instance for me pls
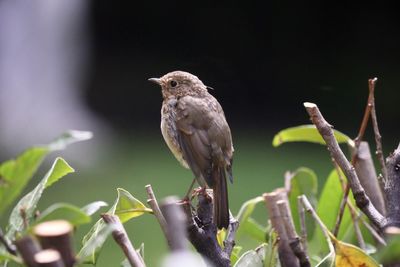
(16, 173)
(28, 203)
(235, 254)
(64, 211)
(327, 210)
(126, 207)
(253, 229)
(250, 259)
(271, 251)
(93, 207)
(99, 233)
(391, 253)
(307, 133)
(247, 209)
(303, 182)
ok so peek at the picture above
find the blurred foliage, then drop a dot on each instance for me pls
(256, 242)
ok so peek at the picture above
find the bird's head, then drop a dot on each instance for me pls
(180, 83)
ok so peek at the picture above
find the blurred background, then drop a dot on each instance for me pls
(73, 64)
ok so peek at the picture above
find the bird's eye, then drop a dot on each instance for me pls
(173, 83)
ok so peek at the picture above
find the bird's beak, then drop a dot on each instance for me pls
(155, 80)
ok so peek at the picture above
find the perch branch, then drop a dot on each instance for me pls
(121, 238)
(202, 232)
(152, 201)
(229, 242)
(392, 188)
(362, 200)
(294, 240)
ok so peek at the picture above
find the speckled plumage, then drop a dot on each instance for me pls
(194, 127)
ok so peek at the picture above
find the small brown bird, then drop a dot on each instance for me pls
(194, 127)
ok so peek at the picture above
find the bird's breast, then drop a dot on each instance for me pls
(169, 132)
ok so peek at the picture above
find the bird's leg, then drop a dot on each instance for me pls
(189, 190)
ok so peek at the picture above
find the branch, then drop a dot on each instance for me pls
(152, 201)
(392, 189)
(49, 258)
(122, 239)
(344, 201)
(176, 224)
(365, 170)
(378, 137)
(286, 255)
(294, 240)
(57, 235)
(27, 248)
(303, 226)
(362, 200)
(202, 232)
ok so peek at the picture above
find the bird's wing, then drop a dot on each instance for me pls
(204, 136)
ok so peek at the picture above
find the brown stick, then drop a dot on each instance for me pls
(152, 201)
(286, 255)
(294, 240)
(121, 238)
(365, 170)
(303, 226)
(57, 235)
(362, 200)
(27, 247)
(344, 201)
(357, 142)
(378, 137)
(176, 223)
(49, 258)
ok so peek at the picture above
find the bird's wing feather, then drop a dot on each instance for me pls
(203, 135)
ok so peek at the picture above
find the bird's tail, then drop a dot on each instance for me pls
(221, 207)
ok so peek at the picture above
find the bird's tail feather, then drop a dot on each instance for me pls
(221, 207)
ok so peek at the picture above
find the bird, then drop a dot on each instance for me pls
(195, 129)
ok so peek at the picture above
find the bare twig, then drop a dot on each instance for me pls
(286, 255)
(357, 142)
(152, 201)
(294, 240)
(9, 247)
(344, 201)
(307, 206)
(122, 239)
(375, 234)
(49, 258)
(362, 200)
(176, 223)
(378, 137)
(303, 226)
(365, 170)
(57, 235)
(27, 248)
